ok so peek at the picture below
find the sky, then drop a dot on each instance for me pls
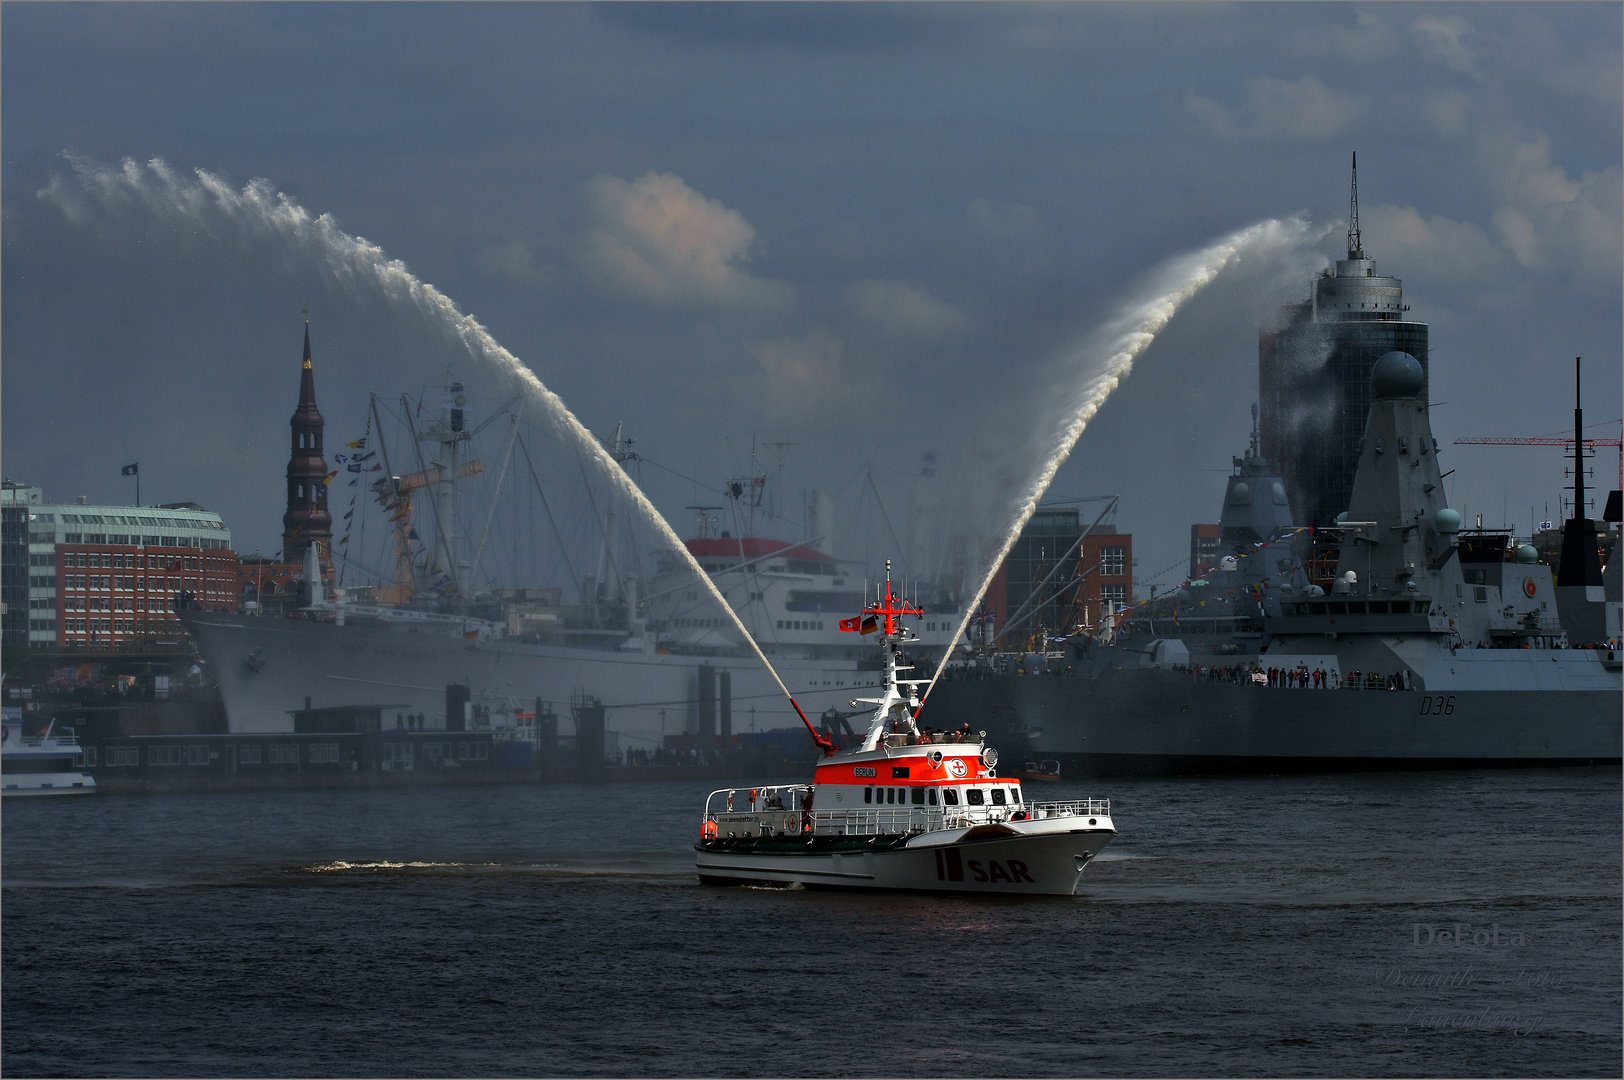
(876, 232)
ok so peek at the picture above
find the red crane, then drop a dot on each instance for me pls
(1552, 440)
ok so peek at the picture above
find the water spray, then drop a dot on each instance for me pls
(1103, 360)
(261, 210)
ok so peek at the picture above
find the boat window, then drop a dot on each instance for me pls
(868, 794)
(998, 796)
(950, 796)
(890, 794)
(975, 797)
(932, 797)
(919, 796)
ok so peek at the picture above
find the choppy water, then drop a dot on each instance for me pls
(1274, 925)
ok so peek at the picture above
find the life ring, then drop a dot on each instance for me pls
(806, 821)
(708, 830)
(1529, 587)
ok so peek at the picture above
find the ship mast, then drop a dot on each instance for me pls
(449, 432)
(894, 705)
(1356, 249)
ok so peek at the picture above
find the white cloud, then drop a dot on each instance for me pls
(899, 308)
(659, 239)
(512, 261)
(806, 375)
(1277, 109)
(1435, 246)
(1447, 112)
(1442, 36)
(1002, 220)
(1551, 221)
(1369, 40)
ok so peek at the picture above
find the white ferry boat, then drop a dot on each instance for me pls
(46, 764)
(907, 808)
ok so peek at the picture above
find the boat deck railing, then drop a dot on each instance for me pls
(66, 744)
(887, 821)
(732, 813)
(1075, 808)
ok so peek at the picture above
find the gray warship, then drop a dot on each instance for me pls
(1434, 648)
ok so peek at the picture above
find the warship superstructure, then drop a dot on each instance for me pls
(1431, 649)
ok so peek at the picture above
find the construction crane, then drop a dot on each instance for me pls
(395, 496)
(1552, 440)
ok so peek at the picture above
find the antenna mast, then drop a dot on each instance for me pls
(1355, 249)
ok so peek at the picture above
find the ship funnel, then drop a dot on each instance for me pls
(312, 574)
(821, 521)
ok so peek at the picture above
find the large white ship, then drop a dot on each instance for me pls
(658, 654)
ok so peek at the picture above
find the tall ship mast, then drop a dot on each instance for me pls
(637, 638)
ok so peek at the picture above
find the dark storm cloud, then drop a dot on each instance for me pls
(941, 199)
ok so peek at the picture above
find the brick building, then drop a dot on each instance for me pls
(118, 595)
(277, 587)
(1203, 549)
(1030, 590)
(107, 577)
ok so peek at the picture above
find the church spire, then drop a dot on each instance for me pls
(307, 520)
(1355, 248)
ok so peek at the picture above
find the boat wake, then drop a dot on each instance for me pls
(423, 868)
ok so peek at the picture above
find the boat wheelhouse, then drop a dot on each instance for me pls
(44, 764)
(906, 808)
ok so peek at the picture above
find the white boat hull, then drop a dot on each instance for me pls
(1040, 862)
(63, 783)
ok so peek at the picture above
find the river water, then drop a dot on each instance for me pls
(1374, 924)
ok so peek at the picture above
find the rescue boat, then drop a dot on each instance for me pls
(904, 809)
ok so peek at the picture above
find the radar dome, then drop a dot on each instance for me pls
(1447, 521)
(1528, 554)
(1397, 374)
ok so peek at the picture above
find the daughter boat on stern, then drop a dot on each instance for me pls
(905, 809)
